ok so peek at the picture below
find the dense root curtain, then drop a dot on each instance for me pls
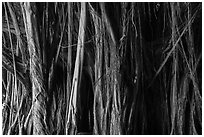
(72, 112)
(38, 108)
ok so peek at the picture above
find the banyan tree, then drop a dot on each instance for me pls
(101, 68)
